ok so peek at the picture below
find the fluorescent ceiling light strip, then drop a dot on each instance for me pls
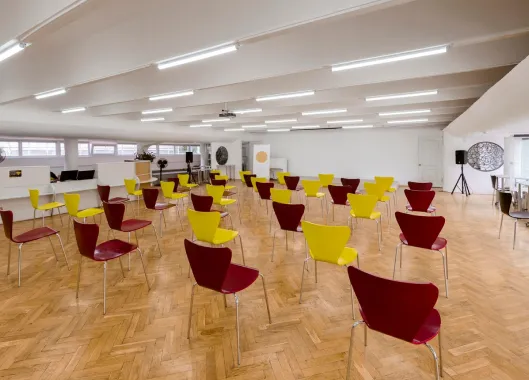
(399, 96)
(324, 112)
(233, 129)
(216, 120)
(306, 127)
(153, 119)
(199, 125)
(407, 121)
(11, 48)
(278, 130)
(284, 96)
(254, 126)
(398, 113)
(356, 126)
(47, 94)
(197, 56)
(72, 110)
(160, 110)
(279, 121)
(171, 95)
(403, 56)
(345, 121)
(250, 110)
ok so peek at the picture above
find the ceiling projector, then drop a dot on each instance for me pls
(227, 114)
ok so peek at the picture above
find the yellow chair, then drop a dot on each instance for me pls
(169, 194)
(184, 181)
(216, 192)
(328, 244)
(34, 199)
(386, 183)
(379, 192)
(363, 207)
(130, 187)
(326, 179)
(281, 177)
(225, 178)
(72, 206)
(312, 190)
(205, 226)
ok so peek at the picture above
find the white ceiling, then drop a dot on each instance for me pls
(104, 53)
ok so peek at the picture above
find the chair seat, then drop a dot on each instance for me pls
(134, 224)
(34, 234)
(223, 236)
(519, 214)
(374, 215)
(163, 206)
(190, 185)
(228, 193)
(118, 200)
(223, 214)
(89, 212)
(238, 278)
(49, 206)
(340, 204)
(438, 244)
(179, 195)
(384, 198)
(430, 209)
(317, 195)
(136, 193)
(112, 249)
(226, 202)
(229, 187)
(391, 190)
(347, 256)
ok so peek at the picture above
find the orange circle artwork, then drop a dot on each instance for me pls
(261, 157)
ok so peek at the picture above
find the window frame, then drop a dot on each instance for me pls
(21, 148)
(93, 146)
(125, 155)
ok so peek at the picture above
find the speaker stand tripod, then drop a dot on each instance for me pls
(464, 185)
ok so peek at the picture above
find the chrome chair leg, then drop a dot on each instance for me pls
(144, 270)
(266, 298)
(104, 287)
(63, 251)
(190, 310)
(445, 272)
(242, 250)
(446, 259)
(273, 244)
(436, 360)
(8, 257)
(19, 262)
(350, 359)
(302, 278)
(53, 249)
(514, 238)
(501, 224)
(78, 276)
(440, 354)
(237, 325)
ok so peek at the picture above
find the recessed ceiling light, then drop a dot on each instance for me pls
(324, 112)
(197, 55)
(153, 119)
(285, 96)
(409, 121)
(254, 126)
(345, 121)
(171, 95)
(405, 95)
(250, 110)
(306, 127)
(216, 120)
(279, 121)
(11, 48)
(233, 129)
(391, 58)
(160, 110)
(356, 126)
(72, 110)
(278, 130)
(199, 125)
(48, 94)
(397, 113)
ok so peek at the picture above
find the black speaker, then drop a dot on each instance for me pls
(461, 157)
(189, 157)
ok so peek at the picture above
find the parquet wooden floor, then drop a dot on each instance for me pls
(45, 333)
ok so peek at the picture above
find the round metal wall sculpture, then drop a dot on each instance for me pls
(485, 156)
(221, 155)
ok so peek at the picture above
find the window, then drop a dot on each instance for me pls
(195, 149)
(83, 149)
(10, 148)
(166, 150)
(39, 149)
(104, 149)
(62, 149)
(153, 149)
(127, 149)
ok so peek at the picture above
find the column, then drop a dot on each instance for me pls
(71, 154)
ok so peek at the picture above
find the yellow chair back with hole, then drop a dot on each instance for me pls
(242, 173)
(281, 195)
(326, 243)
(216, 192)
(167, 188)
(184, 179)
(281, 177)
(374, 189)
(385, 182)
(362, 205)
(72, 203)
(34, 198)
(311, 187)
(204, 224)
(326, 179)
(257, 179)
(130, 185)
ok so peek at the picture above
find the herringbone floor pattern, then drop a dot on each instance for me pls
(45, 333)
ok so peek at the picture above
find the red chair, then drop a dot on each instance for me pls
(248, 180)
(352, 182)
(422, 232)
(104, 195)
(402, 310)
(289, 217)
(292, 183)
(86, 236)
(420, 185)
(26, 237)
(263, 188)
(213, 269)
(420, 201)
(339, 196)
(150, 197)
(177, 187)
(203, 203)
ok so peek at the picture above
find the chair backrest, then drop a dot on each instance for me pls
(326, 243)
(209, 265)
(291, 182)
(167, 188)
(204, 224)
(420, 185)
(494, 180)
(114, 213)
(104, 192)
(34, 197)
(281, 177)
(216, 192)
(326, 179)
(288, 215)
(130, 185)
(150, 196)
(202, 203)
(257, 179)
(176, 182)
(385, 182)
(420, 231)
(86, 236)
(263, 188)
(362, 205)
(222, 177)
(280, 195)
(419, 200)
(218, 182)
(352, 182)
(339, 194)
(72, 203)
(505, 199)
(242, 173)
(184, 179)
(374, 189)
(248, 179)
(395, 308)
(214, 171)
(212, 176)
(7, 220)
(311, 187)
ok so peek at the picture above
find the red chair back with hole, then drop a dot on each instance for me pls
(150, 196)
(420, 185)
(263, 188)
(7, 220)
(339, 194)
(104, 192)
(202, 203)
(420, 231)
(352, 182)
(86, 237)
(248, 179)
(209, 265)
(419, 200)
(176, 181)
(288, 215)
(114, 213)
(394, 308)
(218, 182)
(291, 182)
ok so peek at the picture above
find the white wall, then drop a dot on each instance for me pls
(234, 154)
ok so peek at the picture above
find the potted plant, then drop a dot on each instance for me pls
(145, 156)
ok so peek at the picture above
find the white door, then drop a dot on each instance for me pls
(431, 160)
